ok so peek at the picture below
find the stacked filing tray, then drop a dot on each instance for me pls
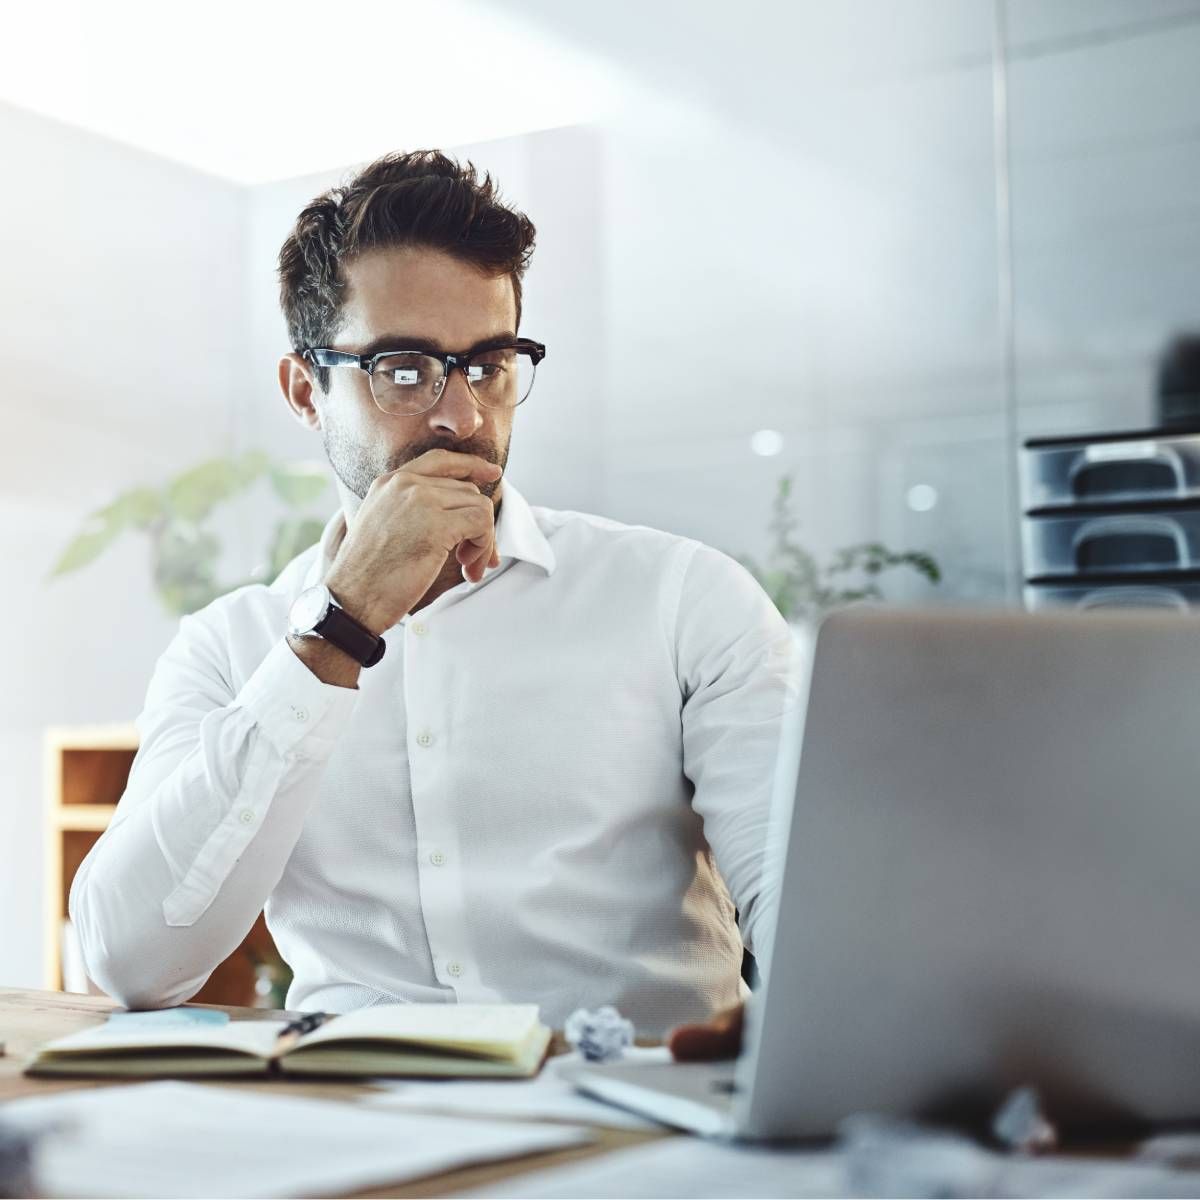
(1112, 520)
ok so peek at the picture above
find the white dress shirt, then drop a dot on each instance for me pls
(523, 801)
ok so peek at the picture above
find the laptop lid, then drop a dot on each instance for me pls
(991, 874)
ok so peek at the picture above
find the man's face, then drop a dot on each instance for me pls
(408, 298)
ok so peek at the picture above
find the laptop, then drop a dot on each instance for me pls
(987, 850)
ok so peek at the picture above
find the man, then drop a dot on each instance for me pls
(551, 781)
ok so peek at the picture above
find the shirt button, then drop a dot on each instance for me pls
(454, 969)
(438, 858)
(424, 738)
(419, 629)
(246, 816)
(301, 714)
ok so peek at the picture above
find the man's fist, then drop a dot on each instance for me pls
(719, 1038)
(410, 522)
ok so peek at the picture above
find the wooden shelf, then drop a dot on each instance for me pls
(86, 771)
(84, 817)
(92, 737)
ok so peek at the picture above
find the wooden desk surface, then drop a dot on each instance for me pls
(29, 1018)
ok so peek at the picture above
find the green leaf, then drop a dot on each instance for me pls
(184, 552)
(925, 564)
(292, 535)
(251, 465)
(298, 483)
(195, 493)
(853, 596)
(136, 509)
(96, 537)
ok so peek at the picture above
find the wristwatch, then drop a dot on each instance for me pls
(315, 613)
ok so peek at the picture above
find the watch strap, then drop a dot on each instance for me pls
(344, 632)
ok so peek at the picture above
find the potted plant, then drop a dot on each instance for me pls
(184, 549)
(803, 589)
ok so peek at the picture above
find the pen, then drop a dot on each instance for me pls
(306, 1023)
(293, 1031)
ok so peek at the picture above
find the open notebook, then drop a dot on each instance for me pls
(460, 1040)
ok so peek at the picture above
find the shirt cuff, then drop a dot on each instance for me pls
(301, 715)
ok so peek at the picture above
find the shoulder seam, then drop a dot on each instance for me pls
(685, 552)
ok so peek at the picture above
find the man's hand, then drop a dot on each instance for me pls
(410, 521)
(719, 1038)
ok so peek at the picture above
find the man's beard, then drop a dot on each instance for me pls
(357, 467)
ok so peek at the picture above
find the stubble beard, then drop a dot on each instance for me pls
(357, 467)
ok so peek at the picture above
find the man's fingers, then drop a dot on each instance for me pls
(475, 536)
(444, 483)
(454, 465)
(475, 556)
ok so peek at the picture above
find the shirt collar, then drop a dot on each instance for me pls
(518, 536)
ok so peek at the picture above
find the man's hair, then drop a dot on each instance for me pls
(422, 198)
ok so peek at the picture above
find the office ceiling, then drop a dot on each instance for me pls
(255, 90)
(265, 89)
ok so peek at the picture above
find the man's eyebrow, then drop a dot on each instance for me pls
(404, 341)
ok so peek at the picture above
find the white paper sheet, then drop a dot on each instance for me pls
(684, 1167)
(547, 1096)
(701, 1170)
(174, 1139)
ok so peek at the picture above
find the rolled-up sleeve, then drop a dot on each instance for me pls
(737, 672)
(216, 800)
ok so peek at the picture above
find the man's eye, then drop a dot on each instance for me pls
(481, 372)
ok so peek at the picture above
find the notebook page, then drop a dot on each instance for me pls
(250, 1037)
(455, 1026)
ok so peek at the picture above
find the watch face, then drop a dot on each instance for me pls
(308, 609)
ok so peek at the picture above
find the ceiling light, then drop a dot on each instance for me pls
(922, 497)
(767, 443)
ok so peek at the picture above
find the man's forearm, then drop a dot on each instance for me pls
(120, 892)
(326, 661)
(215, 805)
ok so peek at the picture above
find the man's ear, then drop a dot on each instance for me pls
(300, 389)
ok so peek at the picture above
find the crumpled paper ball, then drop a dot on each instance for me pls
(599, 1036)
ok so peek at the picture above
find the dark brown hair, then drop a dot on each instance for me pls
(422, 198)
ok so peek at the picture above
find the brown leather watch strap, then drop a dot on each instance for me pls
(344, 632)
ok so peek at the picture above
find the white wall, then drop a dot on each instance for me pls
(120, 320)
(1106, 205)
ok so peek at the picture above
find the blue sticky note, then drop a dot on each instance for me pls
(167, 1018)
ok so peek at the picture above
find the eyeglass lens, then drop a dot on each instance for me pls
(413, 383)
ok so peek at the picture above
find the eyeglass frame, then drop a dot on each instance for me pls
(320, 356)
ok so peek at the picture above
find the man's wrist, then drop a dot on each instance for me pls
(355, 607)
(325, 660)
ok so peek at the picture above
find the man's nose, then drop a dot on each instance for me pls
(457, 411)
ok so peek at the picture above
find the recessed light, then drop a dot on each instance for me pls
(767, 443)
(922, 497)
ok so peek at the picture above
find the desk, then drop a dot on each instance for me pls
(30, 1018)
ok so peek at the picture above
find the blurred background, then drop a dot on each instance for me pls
(868, 245)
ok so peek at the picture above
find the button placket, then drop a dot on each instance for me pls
(429, 711)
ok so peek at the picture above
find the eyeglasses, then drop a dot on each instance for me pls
(410, 382)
